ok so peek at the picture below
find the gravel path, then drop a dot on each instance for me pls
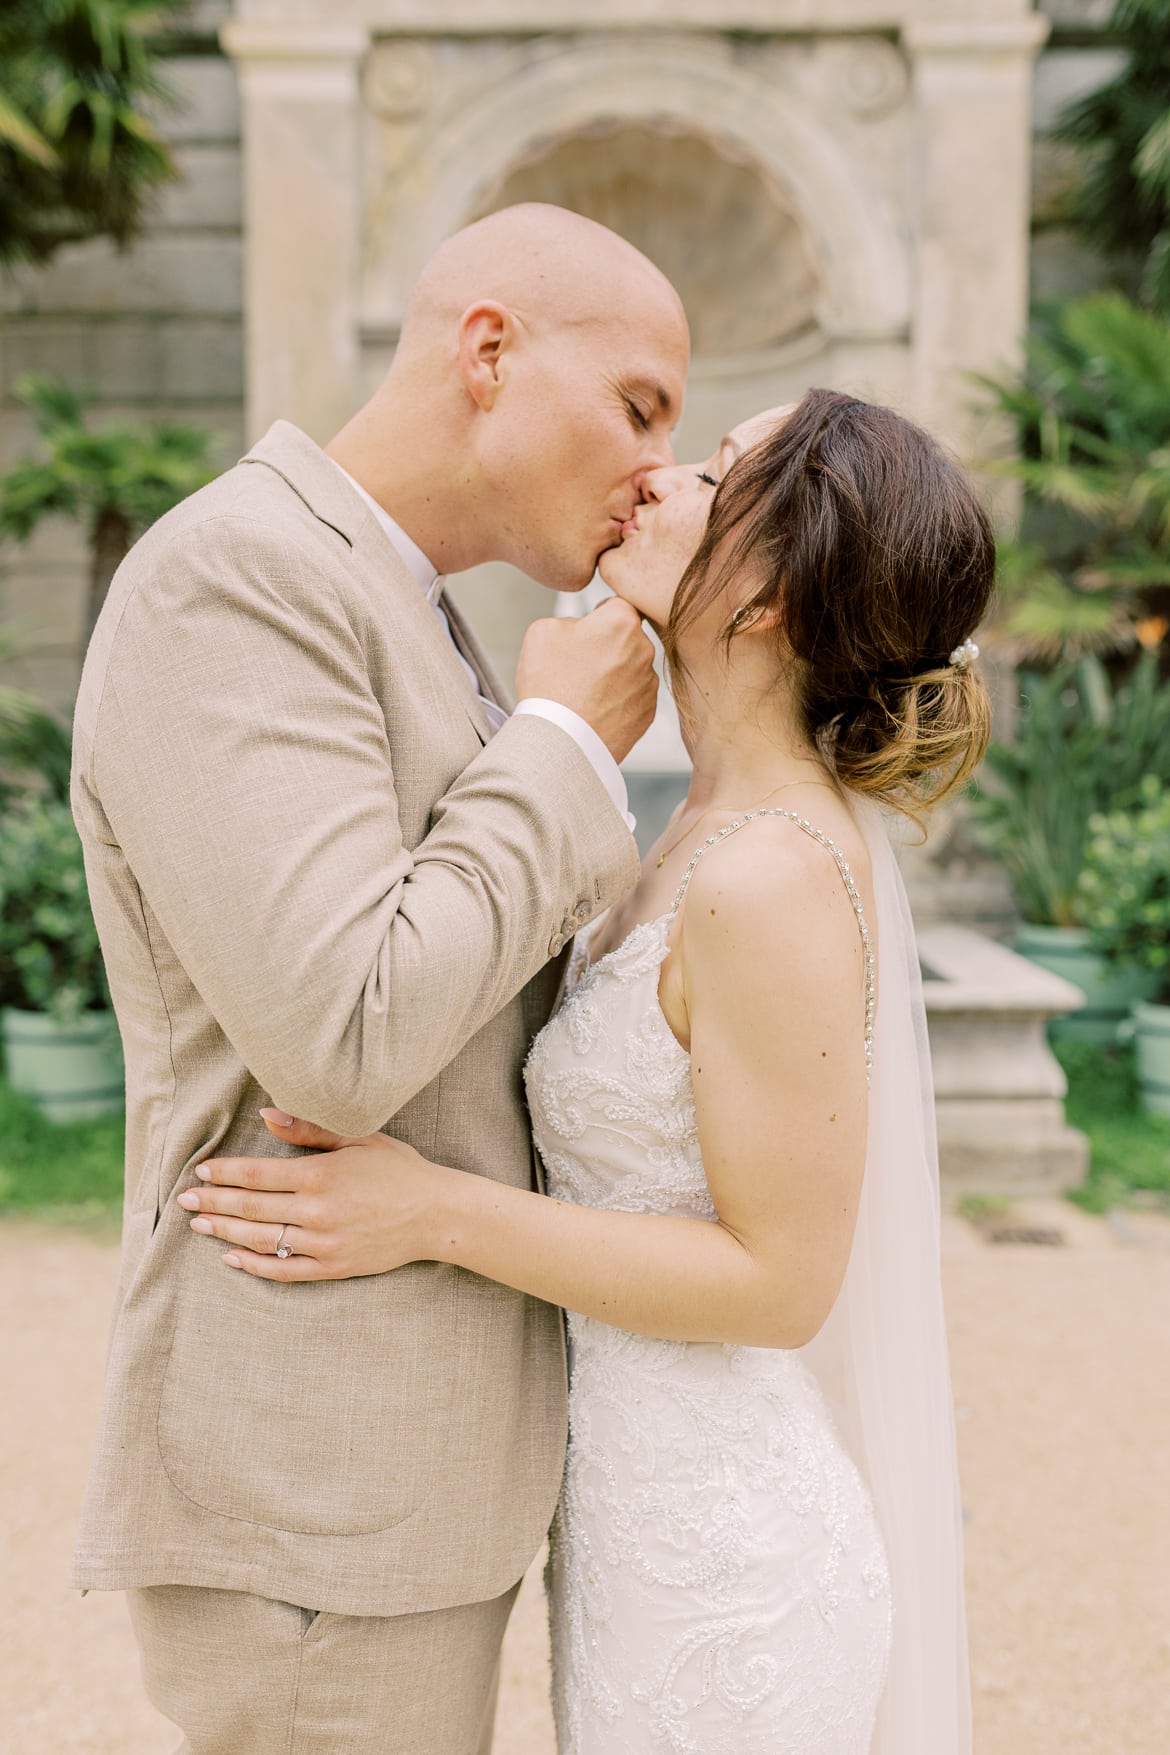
(1063, 1393)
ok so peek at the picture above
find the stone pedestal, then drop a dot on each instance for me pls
(999, 1090)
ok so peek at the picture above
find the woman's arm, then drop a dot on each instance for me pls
(774, 990)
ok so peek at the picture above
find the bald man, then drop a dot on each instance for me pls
(334, 874)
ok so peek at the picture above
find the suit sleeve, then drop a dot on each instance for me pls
(242, 763)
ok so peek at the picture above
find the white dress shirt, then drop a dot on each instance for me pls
(431, 584)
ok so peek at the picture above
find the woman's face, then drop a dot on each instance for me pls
(660, 540)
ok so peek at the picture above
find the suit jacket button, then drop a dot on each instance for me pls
(556, 944)
(581, 913)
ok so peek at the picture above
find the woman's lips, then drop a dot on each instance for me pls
(629, 527)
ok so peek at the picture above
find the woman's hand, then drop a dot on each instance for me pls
(365, 1206)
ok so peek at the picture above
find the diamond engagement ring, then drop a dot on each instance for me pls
(283, 1249)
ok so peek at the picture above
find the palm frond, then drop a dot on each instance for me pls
(17, 131)
(1055, 621)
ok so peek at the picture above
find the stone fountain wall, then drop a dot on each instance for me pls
(687, 155)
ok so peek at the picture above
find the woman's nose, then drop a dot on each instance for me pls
(659, 484)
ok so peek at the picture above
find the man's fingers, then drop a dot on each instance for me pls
(617, 609)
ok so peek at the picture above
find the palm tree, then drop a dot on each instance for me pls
(1091, 420)
(78, 157)
(1123, 204)
(119, 479)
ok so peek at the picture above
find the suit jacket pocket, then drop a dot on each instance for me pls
(320, 1408)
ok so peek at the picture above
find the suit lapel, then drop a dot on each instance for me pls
(315, 479)
(489, 682)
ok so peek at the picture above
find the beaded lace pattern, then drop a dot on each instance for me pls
(718, 1583)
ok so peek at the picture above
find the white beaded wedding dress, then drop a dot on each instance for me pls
(720, 1581)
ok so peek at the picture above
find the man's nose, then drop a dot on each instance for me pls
(660, 456)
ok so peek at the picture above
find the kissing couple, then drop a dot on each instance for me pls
(419, 1059)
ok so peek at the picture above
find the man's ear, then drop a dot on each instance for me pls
(485, 331)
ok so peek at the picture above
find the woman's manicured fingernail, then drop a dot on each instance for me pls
(203, 1170)
(190, 1198)
(277, 1117)
(231, 1261)
(201, 1225)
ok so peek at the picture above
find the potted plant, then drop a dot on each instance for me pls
(1082, 746)
(1125, 900)
(60, 1036)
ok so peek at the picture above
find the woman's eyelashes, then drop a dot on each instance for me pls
(639, 416)
(709, 479)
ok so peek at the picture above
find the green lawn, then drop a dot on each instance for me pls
(76, 1170)
(1131, 1150)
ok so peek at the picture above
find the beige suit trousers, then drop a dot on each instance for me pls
(244, 1675)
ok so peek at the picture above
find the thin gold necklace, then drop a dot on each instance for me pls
(787, 784)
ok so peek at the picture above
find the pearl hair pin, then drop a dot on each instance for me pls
(964, 656)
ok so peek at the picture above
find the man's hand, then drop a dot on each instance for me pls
(601, 665)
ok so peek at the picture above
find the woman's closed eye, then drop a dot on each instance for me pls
(709, 479)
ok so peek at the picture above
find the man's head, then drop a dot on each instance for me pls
(552, 358)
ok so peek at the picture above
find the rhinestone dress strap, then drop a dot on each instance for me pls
(843, 867)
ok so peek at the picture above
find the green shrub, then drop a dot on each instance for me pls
(1082, 747)
(50, 959)
(1125, 885)
(1130, 1150)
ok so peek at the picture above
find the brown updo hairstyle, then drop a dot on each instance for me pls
(873, 546)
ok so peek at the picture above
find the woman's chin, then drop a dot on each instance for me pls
(614, 571)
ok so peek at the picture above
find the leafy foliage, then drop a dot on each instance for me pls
(49, 955)
(1091, 420)
(34, 744)
(1081, 748)
(1123, 203)
(118, 479)
(78, 154)
(140, 470)
(1125, 885)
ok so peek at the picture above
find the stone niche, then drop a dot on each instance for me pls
(840, 192)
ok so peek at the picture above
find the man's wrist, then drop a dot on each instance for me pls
(592, 747)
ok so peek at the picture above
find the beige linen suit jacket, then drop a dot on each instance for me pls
(320, 883)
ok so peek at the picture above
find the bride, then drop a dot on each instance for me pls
(757, 1549)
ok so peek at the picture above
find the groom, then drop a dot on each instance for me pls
(329, 872)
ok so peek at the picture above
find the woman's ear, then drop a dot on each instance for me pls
(485, 331)
(766, 618)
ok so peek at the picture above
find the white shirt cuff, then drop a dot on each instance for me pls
(591, 747)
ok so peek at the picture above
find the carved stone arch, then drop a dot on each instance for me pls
(861, 265)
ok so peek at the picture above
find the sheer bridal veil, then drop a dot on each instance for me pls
(882, 1355)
